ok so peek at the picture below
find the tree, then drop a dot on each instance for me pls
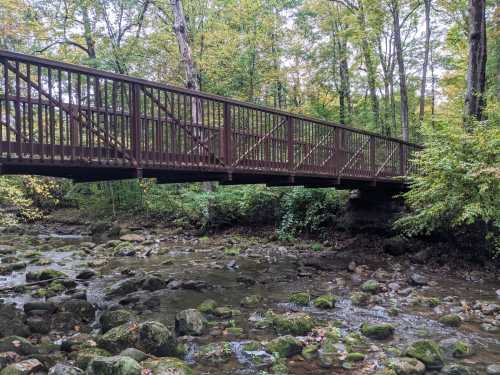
(421, 113)
(476, 72)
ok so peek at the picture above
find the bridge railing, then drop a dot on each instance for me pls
(62, 114)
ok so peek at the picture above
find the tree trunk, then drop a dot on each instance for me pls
(345, 95)
(87, 33)
(403, 92)
(476, 73)
(370, 68)
(426, 59)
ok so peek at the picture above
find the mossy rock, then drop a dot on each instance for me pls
(167, 365)
(232, 251)
(377, 331)
(117, 365)
(208, 306)
(428, 352)
(301, 298)
(233, 331)
(252, 346)
(85, 355)
(360, 298)
(407, 366)
(223, 312)
(325, 302)
(217, 352)
(45, 274)
(371, 286)
(253, 300)
(18, 345)
(310, 351)
(462, 349)
(114, 318)
(285, 346)
(293, 323)
(451, 320)
(355, 357)
(354, 342)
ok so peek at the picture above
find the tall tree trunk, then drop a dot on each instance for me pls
(180, 30)
(403, 92)
(476, 73)
(426, 59)
(87, 32)
(345, 94)
(433, 89)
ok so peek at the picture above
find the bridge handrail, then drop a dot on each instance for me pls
(4, 54)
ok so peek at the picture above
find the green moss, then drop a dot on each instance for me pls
(371, 286)
(355, 357)
(377, 331)
(208, 306)
(451, 320)
(251, 301)
(232, 251)
(284, 346)
(301, 298)
(293, 323)
(462, 349)
(235, 331)
(310, 351)
(223, 312)
(87, 354)
(428, 352)
(316, 247)
(434, 301)
(360, 298)
(354, 342)
(325, 302)
(252, 346)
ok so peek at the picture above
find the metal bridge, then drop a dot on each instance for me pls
(70, 121)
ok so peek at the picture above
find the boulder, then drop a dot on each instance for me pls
(325, 302)
(208, 306)
(285, 346)
(116, 365)
(114, 318)
(217, 352)
(167, 366)
(79, 309)
(456, 369)
(291, 323)
(154, 338)
(396, 246)
(190, 322)
(407, 366)
(253, 300)
(428, 352)
(62, 369)
(28, 366)
(451, 320)
(377, 331)
(417, 279)
(17, 345)
(12, 321)
(45, 274)
(85, 274)
(135, 354)
(371, 286)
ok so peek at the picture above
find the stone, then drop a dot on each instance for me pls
(371, 286)
(292, 323)
(82, 310)
(28, 366)
(325, 302)
(47, 307)
(285, 346)
(132, 237)
(114, 318)
(417, 279)
(428, 352)
(86, 354)
(39, 324)
(116, 365)
(167, 366)
(493, 369)
(154, 338)
(217, 352)
(456, 348)
(190, 322)
(451, 320)
(355, 357)
(330, 352)
(85, 275)
(45, 274)
(17, 345)
(135, 354)
(377, 331)
(124, 287)
(360, 298)
(396, 246)
(153, 283)
(62, 369)
(12, 321)
(407, 366)
(251, 301)
(456, 369)
(490, 308)
(208, 306)
(118, 338)
(6, 358)
(223, 312)
(490, 328)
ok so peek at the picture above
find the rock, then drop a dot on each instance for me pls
(124, 287)
(18, 345)
(407, 366)
(86, 354)
(167, 366)
(377, 331)
(223, 312)
(325, 302)
(253, 300)
(6, 358)
(39, 324)
(47, 307)
(114, 318)
(116, 365)
(493, 369)
(153, 283)
(119, 338)
(156, 339)
(457, 348)
(417, 279)
(355, 357)
(62, 369)
(12, 321)
(45, 274)
(301, 298)
(360, 298)
(28, 366)
(428, 352)
(132, 237)
(217, 352)
(85, 275)
(498, 293)
(490, 328)
(421, 256)
(456, 369)
(190, 322)
(292, 323)
(330, 352)
(451, 320)
(135, 354)
(208, 306)
(82, 310)
(490, 308)
(371, 286)
(285, 346)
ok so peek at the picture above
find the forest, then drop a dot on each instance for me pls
(133, 277)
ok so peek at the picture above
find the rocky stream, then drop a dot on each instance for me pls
(134, 299)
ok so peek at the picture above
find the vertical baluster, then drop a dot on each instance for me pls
(61, 120)
(30, 113)
(17, 109)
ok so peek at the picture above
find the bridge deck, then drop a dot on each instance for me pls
(69, 121)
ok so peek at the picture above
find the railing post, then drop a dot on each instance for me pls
(337, 161)
(372, 158)
(290, 143)
(135, 133)
(226, 139)
(402, 161)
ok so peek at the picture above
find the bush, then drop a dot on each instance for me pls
(459, 181)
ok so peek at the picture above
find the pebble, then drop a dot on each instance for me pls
(493, 369)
